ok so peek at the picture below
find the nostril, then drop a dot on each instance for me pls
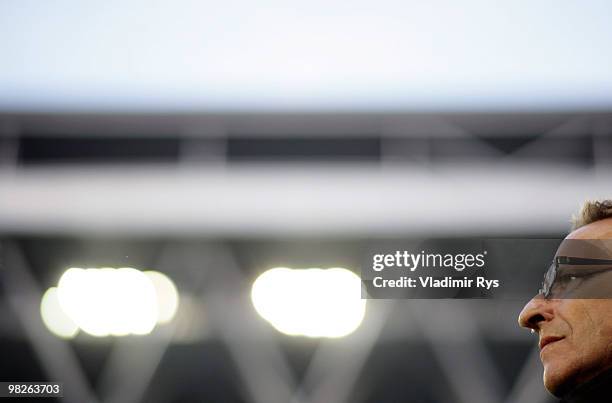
(535, 320)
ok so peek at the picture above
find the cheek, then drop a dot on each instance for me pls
(590, 338)
(602, 319)
(565, 360)
(580, 321)
(598, 320)
(587, 347)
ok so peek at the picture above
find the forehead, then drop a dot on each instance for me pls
(586, 248)
(592, 241)
(601, 229)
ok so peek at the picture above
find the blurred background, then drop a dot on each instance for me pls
(202, 144)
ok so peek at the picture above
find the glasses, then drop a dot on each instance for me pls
(563, 278)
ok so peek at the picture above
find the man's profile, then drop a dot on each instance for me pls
(574, 328)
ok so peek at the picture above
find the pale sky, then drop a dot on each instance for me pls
(305, 55)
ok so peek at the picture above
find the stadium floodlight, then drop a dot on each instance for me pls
(109, 302)
(167, 296)
(54, 316)
(310, 302)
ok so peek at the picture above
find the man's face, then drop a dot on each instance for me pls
(575, 335)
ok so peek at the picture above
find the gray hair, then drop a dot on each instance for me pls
(591, 211)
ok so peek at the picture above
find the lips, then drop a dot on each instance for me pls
(544, 341)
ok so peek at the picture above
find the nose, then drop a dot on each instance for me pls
(536, 312)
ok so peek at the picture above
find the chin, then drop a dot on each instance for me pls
(553, 383)
(559, 376)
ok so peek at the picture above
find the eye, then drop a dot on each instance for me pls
(566, 283)
(566, 278)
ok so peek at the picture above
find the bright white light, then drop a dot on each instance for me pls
(167, 296)
(310, 302)
(315, 55)
(109, 301)
(54, 316)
